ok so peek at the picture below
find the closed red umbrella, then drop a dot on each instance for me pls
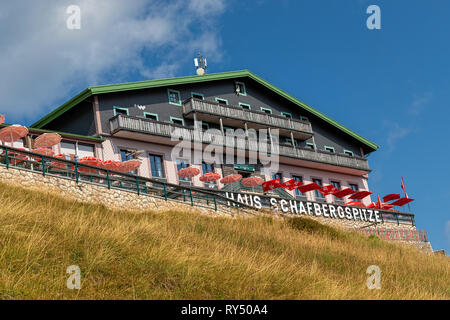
(130, 165)
(13, 133)
(252, 181)
(355, 204)
(188, 172)
(2, 118)
(111, 165)
(401, 202)
(43, 151)
(47, 140)
(232, 178)
(209, 177)
(18, 157)
(90, 161)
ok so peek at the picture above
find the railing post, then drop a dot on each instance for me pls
(77, 175)
(43, 165)
(398, 222)
(165, 191)
(190, 195)
(215, 204)
(107, 179)
(7, 157)
(137, 186)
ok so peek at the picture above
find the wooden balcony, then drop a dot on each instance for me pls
(237, 117)
(161, 132)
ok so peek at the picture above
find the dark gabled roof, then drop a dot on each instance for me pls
(195, 79)
(63, 134)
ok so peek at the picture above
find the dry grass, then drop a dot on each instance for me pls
(175, 255)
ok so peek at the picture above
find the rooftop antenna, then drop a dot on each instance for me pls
(200, 63)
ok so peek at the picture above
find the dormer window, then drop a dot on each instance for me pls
(174, 97)
(222, 101)
(286, 114)
(240, 89)
(329, 149)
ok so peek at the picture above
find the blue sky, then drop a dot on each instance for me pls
(392, 85)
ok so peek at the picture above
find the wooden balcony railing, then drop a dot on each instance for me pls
(164, 129)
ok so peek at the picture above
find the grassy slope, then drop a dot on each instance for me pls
(174, 255)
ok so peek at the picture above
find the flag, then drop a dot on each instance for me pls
(291, 184)
(271, 184)
(404, 189)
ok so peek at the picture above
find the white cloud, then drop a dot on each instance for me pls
(395, 134)
(41, 61)
(419, 102)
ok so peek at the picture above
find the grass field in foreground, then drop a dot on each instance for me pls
(176, 255)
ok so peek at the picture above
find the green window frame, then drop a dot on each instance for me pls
(244, 91)
(349, 153)
(304, 118)
(310, 144)
(179, 119)
(169, 91)
(266, 109)
(197, 94)
(245, 105)
(151, 114)
(221, 99)
(329, 149)
(120, 108)
(205, 124)
(287, 114)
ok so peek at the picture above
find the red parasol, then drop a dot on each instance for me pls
(329, 189)
(232, 178)
(111, 165)
(344, 193)
(252, 181)
(401, 202)
(391, 197)
(291, 184)
(90, 161)
(188, 172)
(47, 140)
(309, 187)
(372, 205)
(209, 177)
(360, 195)
(13, 133)
(386, 206)
(2, 118)
(271, 184)
(355, 204)
(130, 165)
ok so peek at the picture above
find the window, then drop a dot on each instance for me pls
(196, 95)
(119, 110)
(300, 179)
(289, 141)
(222, 101)
(174, 97)
(177, 121)
(205, 126)
(355, 188)
(348, 152)
(151, 116)
(240, 89)
(286, 114)
(337, 185)
(317, 192)
(304, 118)
(277, 176)
(329, 149)
(266, 110)
(77, 148)
(181, 164)
(125, 155)
(245, 106)
(206, 168)
(156, 166)
(310, 145)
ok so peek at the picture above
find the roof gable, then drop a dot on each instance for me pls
(195, 79)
